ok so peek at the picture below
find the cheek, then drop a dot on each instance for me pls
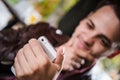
(98, 50)
(80, 29)
(77, 31)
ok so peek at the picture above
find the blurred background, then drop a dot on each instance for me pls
(32, 11)
(16, 13)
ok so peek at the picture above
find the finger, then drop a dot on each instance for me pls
(23, 63)
(79, 60)
(37, 50)
(59, 59)
(75, 64)
(85, 55)
(71, 68)
(18, 71)
(73, 59)
(30, 57)
(17, 68)
(87, 59)
(67, 67)
(82, 61)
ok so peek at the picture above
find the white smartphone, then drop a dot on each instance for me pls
(47, 47)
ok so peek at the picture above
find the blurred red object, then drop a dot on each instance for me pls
(115, 53)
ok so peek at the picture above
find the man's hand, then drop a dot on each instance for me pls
(32, 63)
(74, 58)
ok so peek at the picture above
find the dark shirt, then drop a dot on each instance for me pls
(11, 41)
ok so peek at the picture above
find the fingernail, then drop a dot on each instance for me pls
(82, 61)
(71, 68)
(63, 51)
(78, 65)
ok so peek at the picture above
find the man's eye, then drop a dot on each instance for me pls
(90, 26)
(105, 42)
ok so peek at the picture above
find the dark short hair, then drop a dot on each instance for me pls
(115, 4)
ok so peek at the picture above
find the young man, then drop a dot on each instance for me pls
(94, 36)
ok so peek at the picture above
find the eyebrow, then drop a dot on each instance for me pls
(109, 41)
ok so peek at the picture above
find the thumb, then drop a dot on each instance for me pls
(59, 58)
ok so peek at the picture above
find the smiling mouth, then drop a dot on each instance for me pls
(82, 45)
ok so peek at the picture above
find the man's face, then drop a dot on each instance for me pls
(97, 32)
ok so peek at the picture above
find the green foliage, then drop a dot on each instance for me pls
(111, 63)
(69, 3)
(46, 7)
(12, 2)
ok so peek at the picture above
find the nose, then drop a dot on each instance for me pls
(89, 39)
